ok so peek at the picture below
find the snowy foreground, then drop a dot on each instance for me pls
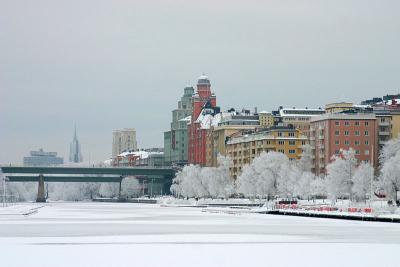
(122, 234)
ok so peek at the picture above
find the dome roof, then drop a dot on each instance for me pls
(203, 79)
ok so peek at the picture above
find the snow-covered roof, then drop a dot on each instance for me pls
(295, 112)
(209, 120)
(140, 154)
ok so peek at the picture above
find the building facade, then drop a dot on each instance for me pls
(330, 133)
(176, 139)
(204, 108)
(338, 107)
(124, 140)
(41, 159)
(299, 118)
(284, 139)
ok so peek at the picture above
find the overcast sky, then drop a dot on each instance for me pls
(113, 64)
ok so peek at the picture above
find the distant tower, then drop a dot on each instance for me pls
(75, 154)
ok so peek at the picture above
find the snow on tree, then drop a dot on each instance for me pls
(265, 175)
(194, 181)
(318, 186)
(362, 178)
(389, 150)
(390, 175)
(109, 190)
(340, 172)
(130, 187)
(304, 187)
(305, 163)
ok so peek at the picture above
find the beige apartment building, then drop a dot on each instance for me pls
(123, 140)
(217, 138)
(243, 149)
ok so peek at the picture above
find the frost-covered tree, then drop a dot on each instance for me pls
(305, 163)
(265, 176)
(318, 187)
(130, 187)
(340, 172)
(194, 181)
(390, 175)
(109, 190)
(222, 179)
(389, 150)
(362, 179)
(304, 187)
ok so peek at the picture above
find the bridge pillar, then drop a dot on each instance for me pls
(41, 196)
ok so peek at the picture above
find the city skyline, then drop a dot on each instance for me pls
(106, 70)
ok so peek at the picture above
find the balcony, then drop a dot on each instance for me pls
(386, 123)
(386, 133)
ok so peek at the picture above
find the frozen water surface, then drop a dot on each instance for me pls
(121, 234)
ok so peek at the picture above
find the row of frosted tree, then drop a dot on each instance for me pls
(74, 191)
(272, 174)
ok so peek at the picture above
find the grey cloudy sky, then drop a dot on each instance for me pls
(112, 64)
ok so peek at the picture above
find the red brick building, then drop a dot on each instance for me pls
(330, 133)
(204, 107)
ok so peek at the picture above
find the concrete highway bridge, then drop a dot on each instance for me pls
(41, 175)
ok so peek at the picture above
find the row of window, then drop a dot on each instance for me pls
(347, 142)
(366, 152)
(347, 123)
(356, 133)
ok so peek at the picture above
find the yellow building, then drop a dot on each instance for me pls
(243, 149)
(217, 138)
(395, 122)
(338, 107)
(266, 119)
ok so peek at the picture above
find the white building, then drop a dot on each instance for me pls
(124, 140)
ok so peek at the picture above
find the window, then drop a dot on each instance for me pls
(346, 133)
(280, 134)
(357, 152)
(366, 142)
(366, 152)
(346, 142)
(336, 133)
(281, 151)
(357, 123)
(292, 143)
(357, 133)
(346, 123)
(337, 142)
(281, 142)
(337, 123)
(292, 151)
(366, 133)
(366, 123)
(357, 143)
(291, 134)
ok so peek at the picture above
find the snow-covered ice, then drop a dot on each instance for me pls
(125, 234)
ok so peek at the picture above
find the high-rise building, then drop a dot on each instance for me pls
(123, 141)
(75, 154)
(204, 108)
(42, 158)
(176, 139)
